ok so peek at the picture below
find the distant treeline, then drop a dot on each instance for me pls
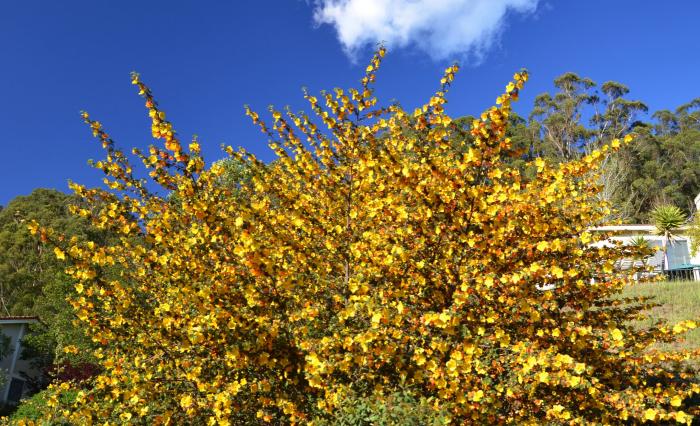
(661, 166)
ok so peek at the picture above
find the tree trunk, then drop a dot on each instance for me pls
(664, 247)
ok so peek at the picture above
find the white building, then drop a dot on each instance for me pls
(14, 387)
(678, 248)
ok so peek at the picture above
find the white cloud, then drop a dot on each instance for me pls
(445, 29)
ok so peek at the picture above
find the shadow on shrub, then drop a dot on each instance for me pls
(398, 408)
(65, 372)
(34, 408)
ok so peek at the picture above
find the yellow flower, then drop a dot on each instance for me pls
(676, 401)
(650, 414)
(616, 334)
(186, 401)
(60, 254)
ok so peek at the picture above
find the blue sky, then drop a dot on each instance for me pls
(204, 60)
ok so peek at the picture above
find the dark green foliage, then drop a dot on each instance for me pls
(32, 281)
(25, 264)
(35, 407)
(662, 165)
(236, 174)
(396, 409)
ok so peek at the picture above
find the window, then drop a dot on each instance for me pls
(16, 391)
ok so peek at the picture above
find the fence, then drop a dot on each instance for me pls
(652, 267)
(688, 273)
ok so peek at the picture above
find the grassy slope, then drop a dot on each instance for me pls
(679, 301)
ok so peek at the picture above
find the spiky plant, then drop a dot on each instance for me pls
(667, 218)
(643, 249)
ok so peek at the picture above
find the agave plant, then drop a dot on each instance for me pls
(641, 244)
(642, 249)
(667, 219)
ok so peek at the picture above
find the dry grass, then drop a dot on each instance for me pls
(679, 300)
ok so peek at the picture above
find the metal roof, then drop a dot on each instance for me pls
(18, 319)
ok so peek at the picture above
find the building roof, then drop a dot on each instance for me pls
(632, 228)
(636, 227)
(19, 319)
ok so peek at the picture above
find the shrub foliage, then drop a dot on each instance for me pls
(371, 259)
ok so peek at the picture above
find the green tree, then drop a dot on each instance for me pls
(559, 130)
(688, 115)
(664, 163)
(32, 281)
(25, 264)
(558, 118)
(617, 115)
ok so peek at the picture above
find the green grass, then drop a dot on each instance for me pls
(679, 301)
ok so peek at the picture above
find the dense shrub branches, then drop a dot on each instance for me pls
(371, 258)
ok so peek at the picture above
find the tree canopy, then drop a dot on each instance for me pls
(660, 167)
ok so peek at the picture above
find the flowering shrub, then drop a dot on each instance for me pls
(72, 372)
(371, 257)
